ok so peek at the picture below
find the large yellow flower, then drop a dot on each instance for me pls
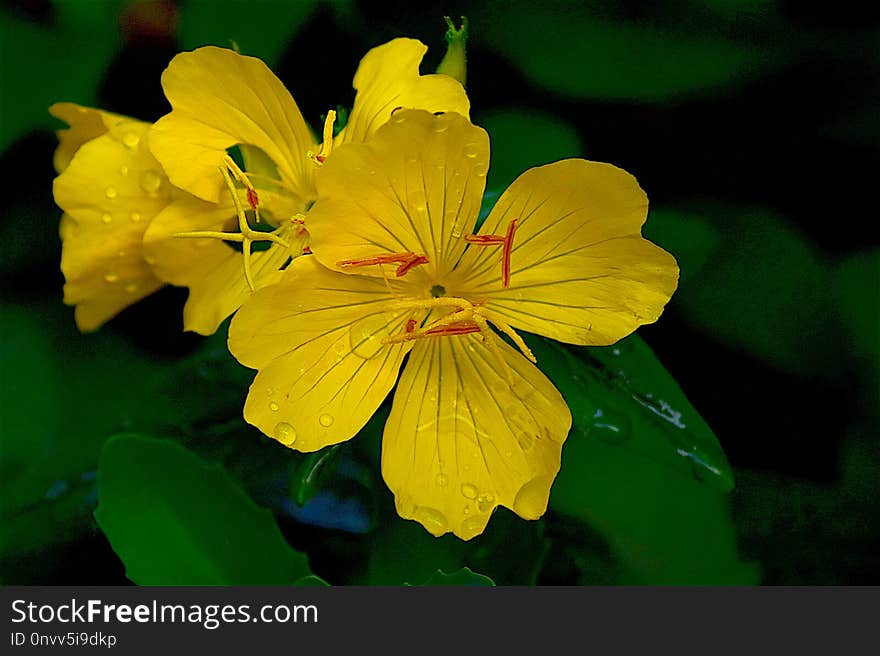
(474, 424)
(222, 99)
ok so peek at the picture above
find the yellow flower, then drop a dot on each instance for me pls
(474, 424)
(222, 99)
(109, 188)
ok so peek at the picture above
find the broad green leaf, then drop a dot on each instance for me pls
(36, 70)
(260, 29)
(857, 286)
(642, 468)
(570, 51)
(174, 519)
(524, 138)
(689, 237)
(764, 290)
(464, 576)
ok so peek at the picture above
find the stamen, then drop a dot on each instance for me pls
(508, 330)
(410, 325)
(462, 328)
(246, 235)
(505, 256)
(327, 144)
(485, 240)
(406, 261)
(506, 241)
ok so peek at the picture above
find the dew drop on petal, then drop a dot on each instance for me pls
(404, 505)
(442, 480)
(135, 217)
(151, 181)
(469, 491)
(366, 335)
(131, 139)
(471, 149)
(471, 527)
(131, 287)
(433, 520)
(285, 433)
(485, 502)
(111, 277)
(325, 420)
(273, 406)
(531, 500)
(106, 218)
(110, 192)
(123, 170)
(150, 259)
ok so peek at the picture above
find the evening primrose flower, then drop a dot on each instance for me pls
(109, 187)
(474, 424)
(222, 99)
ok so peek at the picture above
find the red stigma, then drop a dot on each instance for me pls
(253, 199)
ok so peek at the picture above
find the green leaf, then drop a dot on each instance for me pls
(570, 51)
(857, 281)
(260, 29)
(523, 138)
(764, 290)
(642, 468)
(464, 576)
(34, 72)
(174, 519)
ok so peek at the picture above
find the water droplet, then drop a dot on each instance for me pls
(135, 217)
(466, 510)
(531, 500)
(472, 526)
(485, 502)
(285, 433)
(468, 491)
(131, 139)
(131, 287)
(111, 277)
(106, 218)
(366, 335)
(123, 170)
(433, 520)
(151, 181)
(442, 480)
(471, 149)
(610, 427)
(441, 126)
(481, 169)
(270, 391)
(110, 192)
(274, 406)
(325, 420)
(150, 259)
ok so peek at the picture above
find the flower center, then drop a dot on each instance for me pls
(247, 234)
(437, 291)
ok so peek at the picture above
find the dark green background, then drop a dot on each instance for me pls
(752, 125)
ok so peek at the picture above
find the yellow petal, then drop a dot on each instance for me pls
(212, 269)
(580, 270)
(461, 440)
(110, 191)
(316, 338)
(85, 124)
(415, 187)
(388, 78)
(219, 99)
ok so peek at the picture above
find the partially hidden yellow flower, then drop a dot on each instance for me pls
(110, 187)
(222, 99)
(474, 424)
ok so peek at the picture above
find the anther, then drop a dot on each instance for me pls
(405, 261)
(505, 241)
(327, 145)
